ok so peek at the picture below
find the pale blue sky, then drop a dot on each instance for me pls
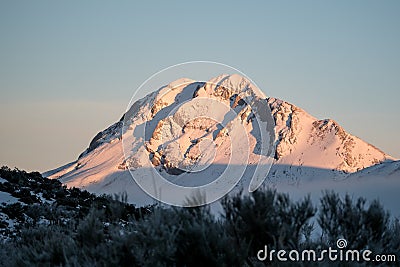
(68, 69)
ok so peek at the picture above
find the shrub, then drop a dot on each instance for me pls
(267, 218)
(363, 227)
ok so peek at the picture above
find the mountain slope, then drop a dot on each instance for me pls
(193, 151)
(28, 200)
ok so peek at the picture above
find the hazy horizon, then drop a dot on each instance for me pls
(69, 69)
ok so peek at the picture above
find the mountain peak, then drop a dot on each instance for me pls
(183, 142)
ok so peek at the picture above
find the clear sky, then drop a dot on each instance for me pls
(69, 68)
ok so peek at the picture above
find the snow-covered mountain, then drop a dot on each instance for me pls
(171, 131)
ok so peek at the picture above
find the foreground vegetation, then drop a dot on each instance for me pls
(56, 226)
